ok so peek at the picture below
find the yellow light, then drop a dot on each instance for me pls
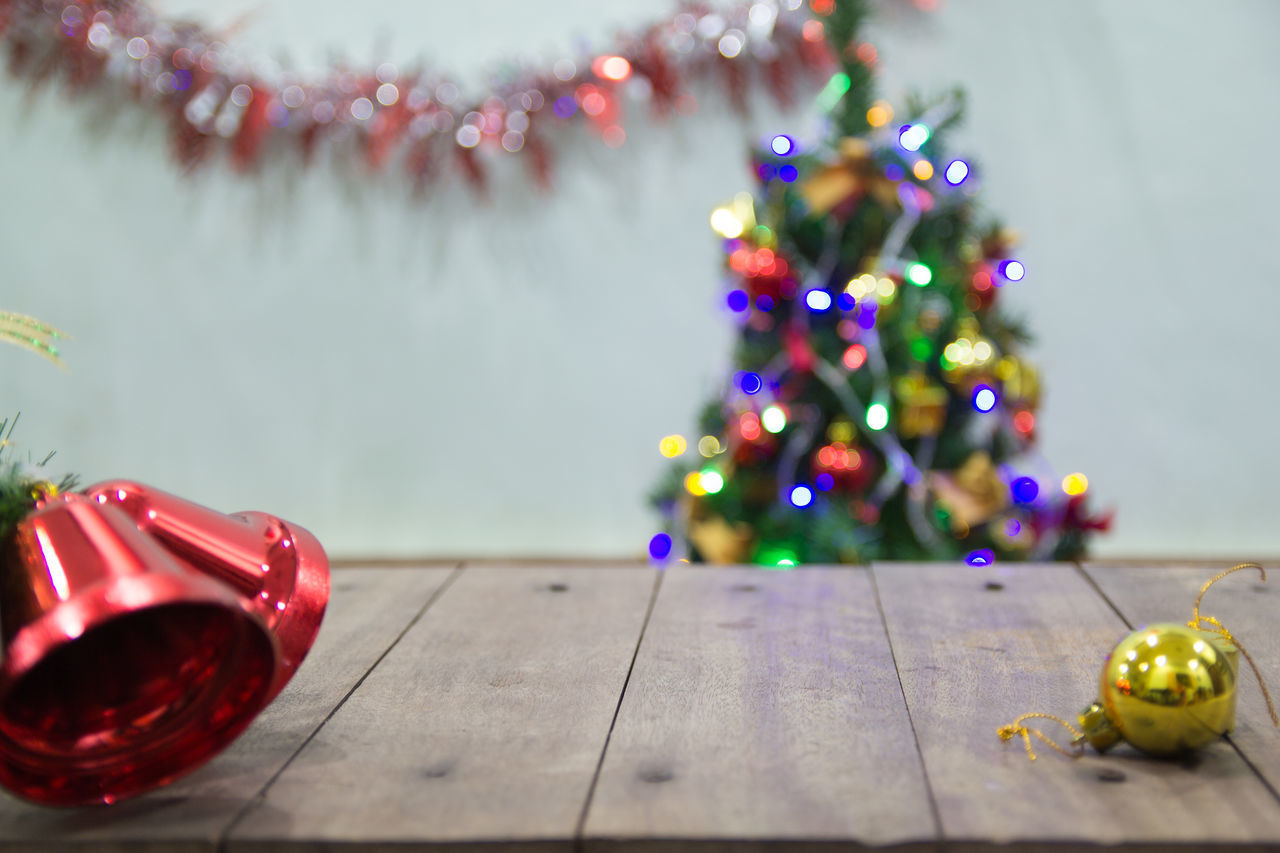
(1161, 660)
(724, 223)
(982, 352)
(880, 114)
(773, 419)
(672, 446)
(1075, 484)
(710, 481)
(708, 446)
(693, 484)
(885, 288)
(923, 170)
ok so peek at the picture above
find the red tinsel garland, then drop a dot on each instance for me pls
(215, 99)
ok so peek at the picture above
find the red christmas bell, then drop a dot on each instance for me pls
(122, 669)
(279, 568)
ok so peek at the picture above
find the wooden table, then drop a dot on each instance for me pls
(618, 708)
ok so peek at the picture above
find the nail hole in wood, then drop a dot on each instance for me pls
(1110, 774)
(745, 587)
(655, 775)
(558, 587)
(994, 586)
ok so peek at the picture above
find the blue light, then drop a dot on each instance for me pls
(846, 302)
(738, 300)
(660, 546)
(825, 482)
(782, 145)
(818, 300)
(565, 107)
(894, 172)
(1013, 270)
(751, 383)
(764, 302)
(1012, 527)
(867, 315)
(957, 171)
(181, 80)
(801, 496)
(981, 557)
(788, 173)
(984, 399)
(1024, 490)
(766, 171)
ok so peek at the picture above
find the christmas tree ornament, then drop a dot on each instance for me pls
(31, 334)
(922, 405)
(1020, 381)
(1166, 689)
(278, 568)
(122, 669)
(854, 173)
(716, 540)
(971, 494)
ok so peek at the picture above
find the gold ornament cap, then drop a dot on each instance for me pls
(1098, 730)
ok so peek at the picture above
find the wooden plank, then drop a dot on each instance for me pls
(485, 724)
(1244, 603)
(368, 608)
(763, 706)
(975, 648)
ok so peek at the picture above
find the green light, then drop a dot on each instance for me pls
(777, 558)
(877, 416)
(710, 480)
(833, 91)
(773, 419)
(921, 349)
(763, 234)
(918, 274)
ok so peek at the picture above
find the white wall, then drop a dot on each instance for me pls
(457, 377)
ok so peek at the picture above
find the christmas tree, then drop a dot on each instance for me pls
(880, 407)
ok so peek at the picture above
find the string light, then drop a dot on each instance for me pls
(750, 383)
(855, 356)
(1024, 490)
(957, 171)
(923, 170)
(825, 482)
(1024, 422)
(818, 300)
(980, 557)
(1013, 270)
(773, 419)
(710, 480)
(693, 484)
(912, 136)
(918, 274)
(880, 114)
(660, 546)
(709, 446)
(877, 416)
(749, 426)
(614, 68)
(738, 300)
(782, 145)
(1075, 484)
(724, 223)
(984, 398)
(801, 496)
(672, 446)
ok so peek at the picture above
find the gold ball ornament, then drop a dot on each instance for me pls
(1166, 689)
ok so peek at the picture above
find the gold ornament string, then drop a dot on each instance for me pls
(1211, 625)
(1009, 732)
(30, 334)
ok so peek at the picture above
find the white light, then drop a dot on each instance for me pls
(817, 300)
(1013, 270)
(361, 109)
(468, 136)
(801, 496)
(781, 145)
(293, 96)
(241, 95)
(773, 419)
(731, 44)
(388, 94)
(984, 400)
(913, 137)
(137, 47)
(877, 416)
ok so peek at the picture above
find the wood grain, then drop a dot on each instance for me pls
(763, 705)
(975, 648)
(1245, 604)
(368, 608)
(486, 722)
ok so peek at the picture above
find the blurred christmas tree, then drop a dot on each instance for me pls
(880, 408)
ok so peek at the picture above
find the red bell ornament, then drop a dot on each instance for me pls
(122, 669)
(278, 567)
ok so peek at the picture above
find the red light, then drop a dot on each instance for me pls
(749, 426)
(779, 266)
(826, 456)
(853, 460)
(611, 68)
(764, 257)
(822, 7)
(812, 30)
(866, 53)
(982, 281)
(855, 356)
(594, 103)
(1024, 422)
